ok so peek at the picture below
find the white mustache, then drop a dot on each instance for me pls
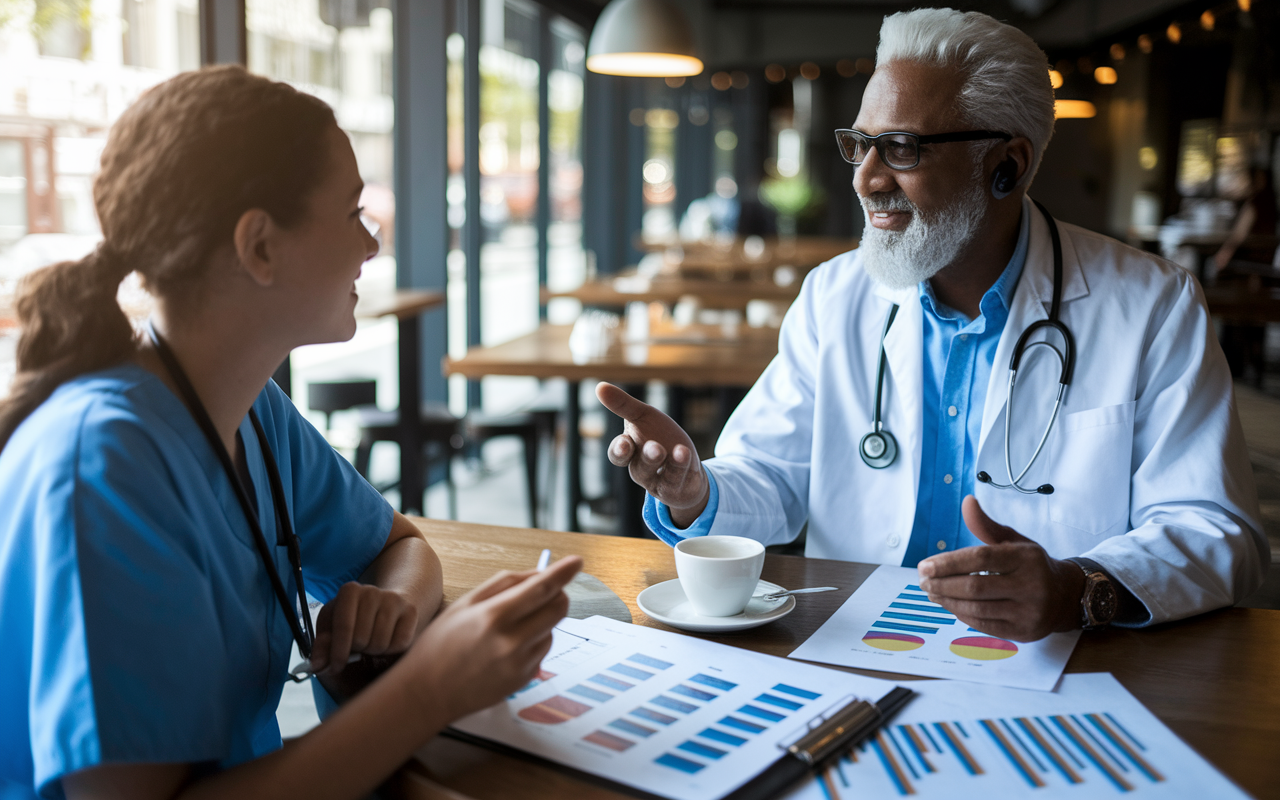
(890, 202)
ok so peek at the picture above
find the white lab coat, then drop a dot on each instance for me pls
(1147, 458)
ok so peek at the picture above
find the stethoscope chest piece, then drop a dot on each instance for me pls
(878, 449)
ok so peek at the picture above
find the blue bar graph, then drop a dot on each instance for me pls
(590, 694)
(690, 692)
(780, 702)
(631, 672)
(714, 683)
(673, 704)
(720, 736)
(649, 661)
(702, 750)
(761, 713)
(793, 691)
(741, 724)
(676, 762)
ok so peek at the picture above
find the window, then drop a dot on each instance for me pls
(68, 68)
(341, 53)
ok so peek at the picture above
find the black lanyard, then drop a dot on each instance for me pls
(304, 630)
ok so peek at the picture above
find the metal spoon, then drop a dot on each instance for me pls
(813, 590)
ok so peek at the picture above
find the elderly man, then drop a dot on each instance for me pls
(1108, 484)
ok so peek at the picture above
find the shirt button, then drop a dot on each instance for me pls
(894, 540)
(942, 545)
(947, 479)
(952, 411)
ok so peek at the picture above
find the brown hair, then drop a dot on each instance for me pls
(180, 167)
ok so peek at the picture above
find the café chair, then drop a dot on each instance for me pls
(330, 396)
(441, 434)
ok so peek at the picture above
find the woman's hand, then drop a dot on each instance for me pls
(362, 619)
(491, 641)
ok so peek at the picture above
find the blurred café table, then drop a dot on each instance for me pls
(750, 256)
(407, 306)
(670, 289)
(695, 355)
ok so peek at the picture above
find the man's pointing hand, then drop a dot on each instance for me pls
(658, 454)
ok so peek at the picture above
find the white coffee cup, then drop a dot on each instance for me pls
(719, 573)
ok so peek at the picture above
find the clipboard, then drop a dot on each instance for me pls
(802, 752)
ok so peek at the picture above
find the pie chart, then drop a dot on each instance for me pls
(983, 648)
(883, 640)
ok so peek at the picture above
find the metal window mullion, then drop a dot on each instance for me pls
(473, 230)
(546, 58)
(223, 37)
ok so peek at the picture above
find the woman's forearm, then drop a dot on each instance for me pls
(408, 566)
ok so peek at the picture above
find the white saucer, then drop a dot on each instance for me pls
(666, 603)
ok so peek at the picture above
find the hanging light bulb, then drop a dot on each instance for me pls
(1207, 20)
(649, 38)
(1074, 109)
(1174, 32)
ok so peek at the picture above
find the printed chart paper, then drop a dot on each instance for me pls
(1090, 739)
(669, 714)
(890, 625)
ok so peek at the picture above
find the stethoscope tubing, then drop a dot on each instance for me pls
(1066, 362)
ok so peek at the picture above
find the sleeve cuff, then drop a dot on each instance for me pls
(658, 517)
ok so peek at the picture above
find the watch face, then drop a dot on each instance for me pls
(1103, 601)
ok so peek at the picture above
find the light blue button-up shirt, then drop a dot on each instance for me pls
(959, 355)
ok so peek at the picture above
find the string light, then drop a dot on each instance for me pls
(1145, 44)
(1105, 75)
(1074, 109)
(1174, 32)
(1244, 5)
(1207, 20)
(1055, 79)
(1117, 52)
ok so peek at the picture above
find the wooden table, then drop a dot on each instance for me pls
(407, 306)
(735, 258)
(1209, 678)
(610, 292)
(1242, 304)
(714, 361)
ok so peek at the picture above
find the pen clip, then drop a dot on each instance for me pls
(848, 725)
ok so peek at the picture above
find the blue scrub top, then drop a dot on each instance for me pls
(137, 623)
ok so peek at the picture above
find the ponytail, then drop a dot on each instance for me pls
(71, 324)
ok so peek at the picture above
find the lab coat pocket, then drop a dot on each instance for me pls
(1090, 472)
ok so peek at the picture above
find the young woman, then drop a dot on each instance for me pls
(151, 486)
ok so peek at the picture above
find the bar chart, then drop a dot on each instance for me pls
(676, 716)
(890, 624)
(1089, 739)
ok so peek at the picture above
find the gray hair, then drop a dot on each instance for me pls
(1006, 85)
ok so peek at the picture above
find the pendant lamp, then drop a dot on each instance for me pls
(645, 38)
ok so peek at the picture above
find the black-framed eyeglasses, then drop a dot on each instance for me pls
(898, 149)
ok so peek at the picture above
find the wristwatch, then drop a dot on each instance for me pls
(1100, 601)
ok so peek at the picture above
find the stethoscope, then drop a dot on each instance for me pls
(879, 449)
(304, 630)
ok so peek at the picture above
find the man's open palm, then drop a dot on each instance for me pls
(658, 454)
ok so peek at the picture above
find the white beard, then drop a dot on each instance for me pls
(899, 259)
